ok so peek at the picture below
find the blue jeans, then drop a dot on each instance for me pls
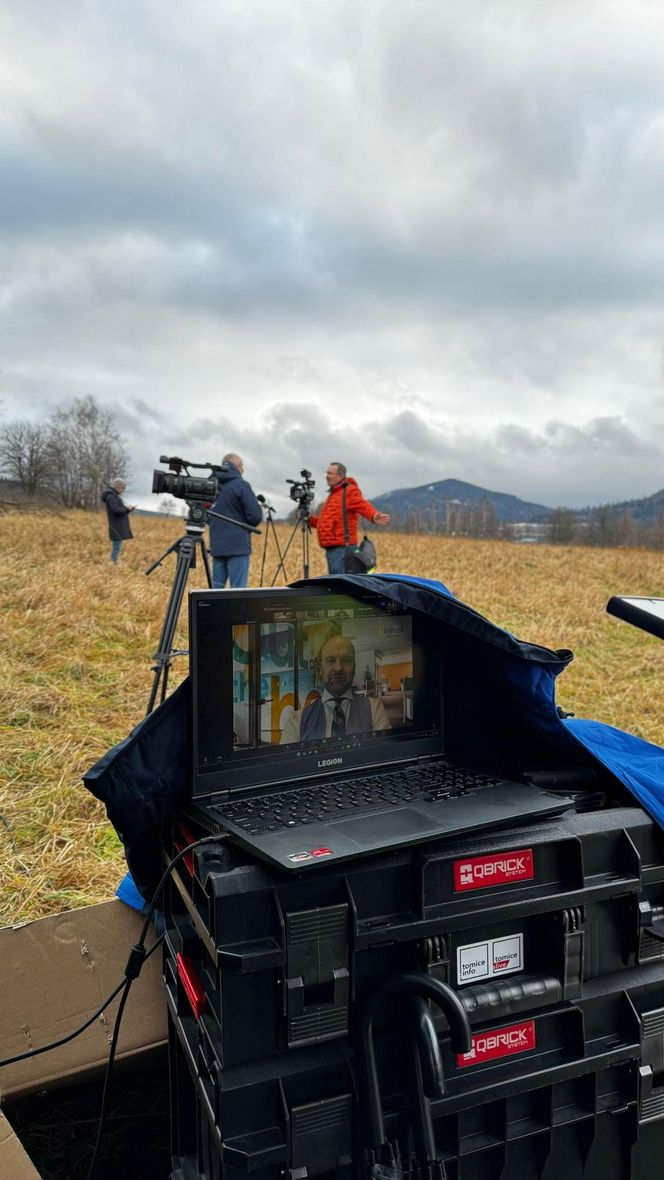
(336, 559)
(230, 569)
(116, 546)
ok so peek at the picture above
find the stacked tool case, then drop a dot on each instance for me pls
(549, 933)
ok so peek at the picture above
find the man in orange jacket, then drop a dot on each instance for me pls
(333, 537)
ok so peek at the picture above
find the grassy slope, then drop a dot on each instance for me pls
(76, 636)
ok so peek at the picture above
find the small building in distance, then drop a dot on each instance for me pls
(528, 532)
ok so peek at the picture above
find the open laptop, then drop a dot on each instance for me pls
(318, 729)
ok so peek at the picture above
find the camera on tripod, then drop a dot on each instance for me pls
(198, 491)
(302, 491)
(185, 486)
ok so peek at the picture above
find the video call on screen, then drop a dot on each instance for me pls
(284, 667)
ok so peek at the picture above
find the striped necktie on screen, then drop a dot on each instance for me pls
(338, 718)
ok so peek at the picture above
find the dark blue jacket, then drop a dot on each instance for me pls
(237, 500)
(119, 528)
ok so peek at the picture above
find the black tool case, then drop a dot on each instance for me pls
(516, 920)
(548, 933)
(576, 1088)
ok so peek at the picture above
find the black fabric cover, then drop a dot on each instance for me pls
(141, 778)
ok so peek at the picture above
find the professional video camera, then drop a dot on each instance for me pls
(198, 493)
(302, 491)
(187, 486)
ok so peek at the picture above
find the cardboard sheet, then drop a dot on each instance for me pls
(54, 973)
(14, 1163)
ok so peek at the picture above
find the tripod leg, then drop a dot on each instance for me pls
(206, 562)
(171, 549)
(281, 565)
(276, 541)
(281, 555)
(305, 549)
(186, 552)
(267, 533)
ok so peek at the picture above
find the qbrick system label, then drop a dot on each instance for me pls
(492, 956)
(500, 868)
(499, 1042)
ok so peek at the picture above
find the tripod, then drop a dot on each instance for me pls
(269, 510)
(302, 526)
(185, 548)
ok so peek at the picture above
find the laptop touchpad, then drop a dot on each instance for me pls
(384, 825)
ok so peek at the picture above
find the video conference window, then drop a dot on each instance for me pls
(304, 680)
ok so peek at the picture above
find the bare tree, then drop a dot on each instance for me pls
(24, 454)
(85, 451)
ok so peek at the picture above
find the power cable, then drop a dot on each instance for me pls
(135, 962)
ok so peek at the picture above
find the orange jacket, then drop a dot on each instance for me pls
(330, 522)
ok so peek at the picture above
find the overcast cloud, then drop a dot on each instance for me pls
(422, 238)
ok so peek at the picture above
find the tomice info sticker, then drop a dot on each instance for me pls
(493, 956)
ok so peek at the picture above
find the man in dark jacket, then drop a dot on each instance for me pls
(229, 545)
(118, 516)
(333, 535)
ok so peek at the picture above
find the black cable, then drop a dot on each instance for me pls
(136, 959)
(107, 1075)
(77, 1032)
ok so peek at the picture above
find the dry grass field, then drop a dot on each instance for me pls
(76, 636)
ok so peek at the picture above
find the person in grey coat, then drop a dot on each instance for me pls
(118, 516)
(229, 545)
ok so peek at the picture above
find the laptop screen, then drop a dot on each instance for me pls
(290, 684)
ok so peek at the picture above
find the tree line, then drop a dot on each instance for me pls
(604, 526)
(69, 458)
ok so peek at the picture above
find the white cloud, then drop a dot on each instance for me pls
(428, 241)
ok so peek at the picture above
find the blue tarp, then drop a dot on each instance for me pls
(637, 763)
(501, 710)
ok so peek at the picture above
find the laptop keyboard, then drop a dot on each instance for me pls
(279, 810)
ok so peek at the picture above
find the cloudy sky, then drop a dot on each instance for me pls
(425, 238)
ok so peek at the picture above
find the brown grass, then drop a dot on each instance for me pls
(76, 635)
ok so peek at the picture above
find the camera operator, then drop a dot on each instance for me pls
(231, 546)
(329, 524)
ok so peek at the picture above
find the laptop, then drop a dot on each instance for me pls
(319, 729)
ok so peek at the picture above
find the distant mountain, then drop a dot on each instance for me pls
(509, 509)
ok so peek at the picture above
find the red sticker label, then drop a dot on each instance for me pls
(314, 853)
(499, 1042)
(483, 872)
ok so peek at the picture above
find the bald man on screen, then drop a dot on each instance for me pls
(339, 710)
